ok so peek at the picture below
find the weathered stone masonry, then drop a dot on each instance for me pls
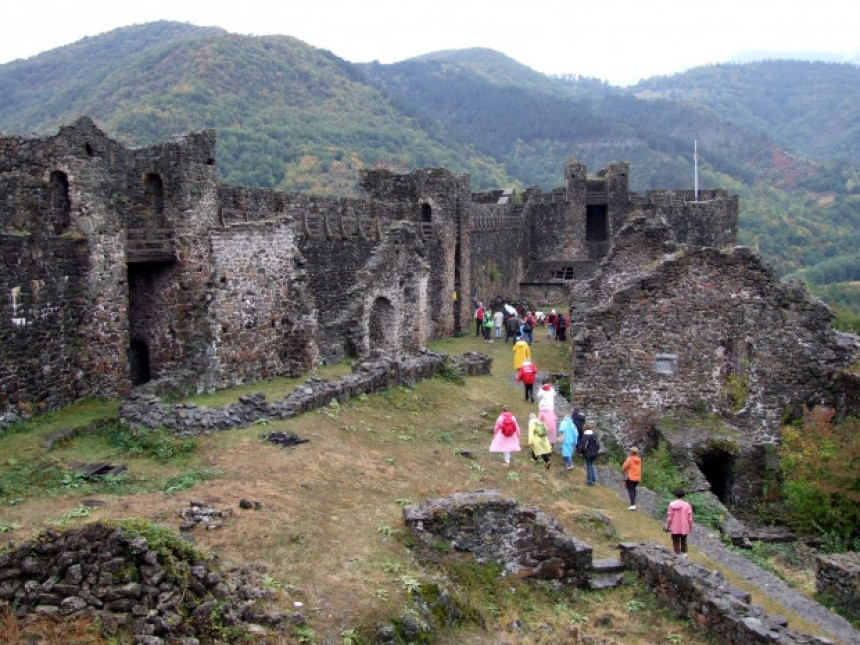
(124, 266)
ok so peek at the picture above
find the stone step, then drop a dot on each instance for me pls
(605, 581)
(607, 565)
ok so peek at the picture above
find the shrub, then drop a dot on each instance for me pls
(820, 462)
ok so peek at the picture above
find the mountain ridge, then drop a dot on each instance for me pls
(293, 117)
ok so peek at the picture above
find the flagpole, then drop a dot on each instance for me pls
(696, 167)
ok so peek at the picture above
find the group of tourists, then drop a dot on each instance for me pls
(556, 325)
(575, 435)
(516, 323)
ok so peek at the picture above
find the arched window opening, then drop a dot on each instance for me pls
(59, 202)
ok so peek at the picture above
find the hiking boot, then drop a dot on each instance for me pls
(632, 507)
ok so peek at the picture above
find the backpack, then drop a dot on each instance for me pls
(509, 426)
(540, 429)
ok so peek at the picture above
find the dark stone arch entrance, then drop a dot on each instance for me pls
(138, 362)
(381, 325)
(717, 466)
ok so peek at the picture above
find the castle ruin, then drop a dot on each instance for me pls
(125, 265)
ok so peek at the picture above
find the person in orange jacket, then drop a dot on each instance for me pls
(632, 475)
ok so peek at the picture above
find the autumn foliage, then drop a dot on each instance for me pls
(820, 462)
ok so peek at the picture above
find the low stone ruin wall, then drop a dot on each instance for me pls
(837, 576)
(146, 409)
(155, 592)
(703, 596)
(494, 528)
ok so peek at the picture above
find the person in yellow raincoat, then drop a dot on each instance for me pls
(522, 351)
(541, 447)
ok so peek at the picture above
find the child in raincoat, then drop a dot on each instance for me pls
(568, 437)
(522, 351)
(541, 447)
(546, 410)
(501, 442)
(679, 522)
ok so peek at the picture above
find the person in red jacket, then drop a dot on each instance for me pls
(527, 374)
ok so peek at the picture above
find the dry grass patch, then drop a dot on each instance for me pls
(330, 529)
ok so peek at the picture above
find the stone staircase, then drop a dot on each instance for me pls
(606, 573)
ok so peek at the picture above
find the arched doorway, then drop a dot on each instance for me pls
(717, 466)
(138, 362)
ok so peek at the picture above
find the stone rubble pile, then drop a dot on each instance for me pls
(198, 513)
(526, 541)
(160, 593)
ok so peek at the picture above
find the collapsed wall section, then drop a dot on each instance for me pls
(708, 328)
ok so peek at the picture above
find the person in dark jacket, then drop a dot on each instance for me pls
(589, 447)
(578, 418)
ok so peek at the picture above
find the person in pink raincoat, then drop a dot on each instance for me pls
(679, 522)
(506, 435)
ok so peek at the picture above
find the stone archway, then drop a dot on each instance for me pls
(382, 325)
(717, 466)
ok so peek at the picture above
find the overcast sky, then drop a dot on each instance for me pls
(620, 42)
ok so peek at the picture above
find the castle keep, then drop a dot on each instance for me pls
(121, 266)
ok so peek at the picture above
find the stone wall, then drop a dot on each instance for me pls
(837, 576)
(526, 541)
(40, 363)
(263, 319)
(704, 597)
(708, 329)
(159, 593)
(133, 264)
(847, 384)
(144, 407)
(499, 243)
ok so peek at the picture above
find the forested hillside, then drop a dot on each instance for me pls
(293, 117)
(809, 108)
(288, 116)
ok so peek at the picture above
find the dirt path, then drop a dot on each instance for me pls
(832, 625)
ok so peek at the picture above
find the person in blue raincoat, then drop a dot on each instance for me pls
(569, 437)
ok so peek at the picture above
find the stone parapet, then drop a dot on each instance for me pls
(702, 595)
